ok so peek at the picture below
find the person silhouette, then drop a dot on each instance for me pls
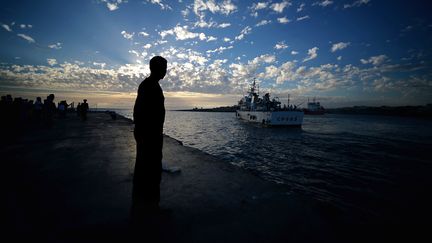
(83, 109)
(149, 117)
(49, 109)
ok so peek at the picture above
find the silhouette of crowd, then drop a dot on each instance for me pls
(18, 113)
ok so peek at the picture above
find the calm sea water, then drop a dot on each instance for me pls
(373, 164)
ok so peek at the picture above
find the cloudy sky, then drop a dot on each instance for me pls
(347, 52)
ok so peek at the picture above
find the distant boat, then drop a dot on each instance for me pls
(267, 111)
(314, 108)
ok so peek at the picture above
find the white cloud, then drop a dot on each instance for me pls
(185, 12)
(258, 6)
(312, 54)
(228, 7)
(357, 3)
(303, 18)
(247, 30)
(180, 33)
(339, 46)
(202, 36)
(23, 26)
(137, 54)
(301, 7)
(127, 35)
(188, 54)
(283, 73)
(281, 45)
(283, 20)
(56, 46)
(6, 27)
(266, 58)
(324, 3)
(147, 46)
(27, 38)
(99, 64)
(160, 42)
(294, 52)
(339, 58)
(226, 39)
(204, 24)
(113, 4)
(225, 7)
(263, 22)
(375, 60)
(192, 72)
(220, 49)
(224, 25)
(51, 61)
(143, 34)
(159, 2)
(279, 7)
(383, 84)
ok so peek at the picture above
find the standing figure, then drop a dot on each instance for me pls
(83, 110)
(49, 109)
(38, 106)
(78, 109)
(149, 117)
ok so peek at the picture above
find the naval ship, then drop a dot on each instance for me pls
(267, 111)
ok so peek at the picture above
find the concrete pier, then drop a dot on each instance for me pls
(72, 183)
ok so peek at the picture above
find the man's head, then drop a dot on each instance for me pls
(158, 67)
(85, 100)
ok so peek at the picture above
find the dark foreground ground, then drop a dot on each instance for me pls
(72, 183)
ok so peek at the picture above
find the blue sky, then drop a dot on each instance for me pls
(353, 52)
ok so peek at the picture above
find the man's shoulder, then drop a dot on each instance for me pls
(143, 82)
(148, 84)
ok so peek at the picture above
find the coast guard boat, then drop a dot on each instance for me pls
(267, 111)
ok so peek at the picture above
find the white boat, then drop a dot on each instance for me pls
(267, 111)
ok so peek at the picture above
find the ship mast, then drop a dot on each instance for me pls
(288, 100)
(253, 87)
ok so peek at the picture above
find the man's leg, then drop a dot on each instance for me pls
(147, 176)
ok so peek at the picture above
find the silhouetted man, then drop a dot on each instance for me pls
(149, 117)
(83, 109)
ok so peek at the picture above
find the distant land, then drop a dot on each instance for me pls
(414, 111)
(216, 109)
